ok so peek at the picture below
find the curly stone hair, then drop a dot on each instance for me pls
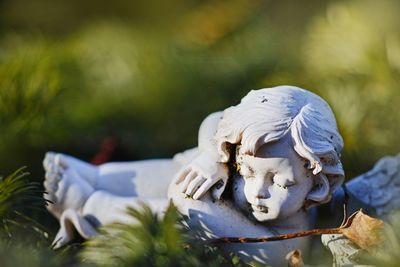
(266, 115)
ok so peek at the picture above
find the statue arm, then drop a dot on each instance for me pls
(207, 131)
(204, 171)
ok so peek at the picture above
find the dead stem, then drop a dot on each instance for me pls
(338, 230)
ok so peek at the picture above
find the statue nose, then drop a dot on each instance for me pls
(262, 184)
(263, 192)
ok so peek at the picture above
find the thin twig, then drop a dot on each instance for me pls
(346, 201)
(338, 230)
(277, 237)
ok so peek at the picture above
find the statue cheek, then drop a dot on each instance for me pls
(253, 189)
(249, 190)
(281, 198)
(293, 202)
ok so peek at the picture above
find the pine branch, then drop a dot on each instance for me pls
(17, 196)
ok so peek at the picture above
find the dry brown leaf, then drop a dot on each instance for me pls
(294, 258)
(363, 230)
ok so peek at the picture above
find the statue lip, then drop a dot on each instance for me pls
(260, 208)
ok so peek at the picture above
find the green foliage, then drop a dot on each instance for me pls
(132, 79)
(23, 240)
(29, 82)
(152, 241)
(17, 196)
(351, 55)
(23, 255)
(37, 255)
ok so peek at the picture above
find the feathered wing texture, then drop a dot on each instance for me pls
(380, 187)
(377, 191)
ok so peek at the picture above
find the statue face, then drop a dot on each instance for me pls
(274, 183)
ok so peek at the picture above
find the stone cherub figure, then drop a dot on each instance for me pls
(257, 169)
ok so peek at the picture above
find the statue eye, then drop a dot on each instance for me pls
(328, 160)
(285, 184)
(246, 172)
(271, 176)
(289, 184)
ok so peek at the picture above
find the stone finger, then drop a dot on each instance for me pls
(194, 185)
(203, 189)
(181, 175)
(187, 180)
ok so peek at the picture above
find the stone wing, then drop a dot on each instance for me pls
(379, 188)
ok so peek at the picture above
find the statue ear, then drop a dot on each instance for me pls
(320, 190)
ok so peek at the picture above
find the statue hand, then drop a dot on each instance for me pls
(201, 174)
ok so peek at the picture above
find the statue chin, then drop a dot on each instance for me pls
(264, 214)
(258, 212)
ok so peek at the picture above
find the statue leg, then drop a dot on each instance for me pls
(101, 208)
(106, 208)
(143, 179)
(148, 178)
(81, 208)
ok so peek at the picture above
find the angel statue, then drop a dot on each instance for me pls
(257, 170)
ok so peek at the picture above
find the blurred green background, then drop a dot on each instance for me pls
(129, 80)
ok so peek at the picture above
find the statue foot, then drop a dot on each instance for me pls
(65, 188)
(85, 170)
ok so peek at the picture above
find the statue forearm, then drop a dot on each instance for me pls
(208, 128)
